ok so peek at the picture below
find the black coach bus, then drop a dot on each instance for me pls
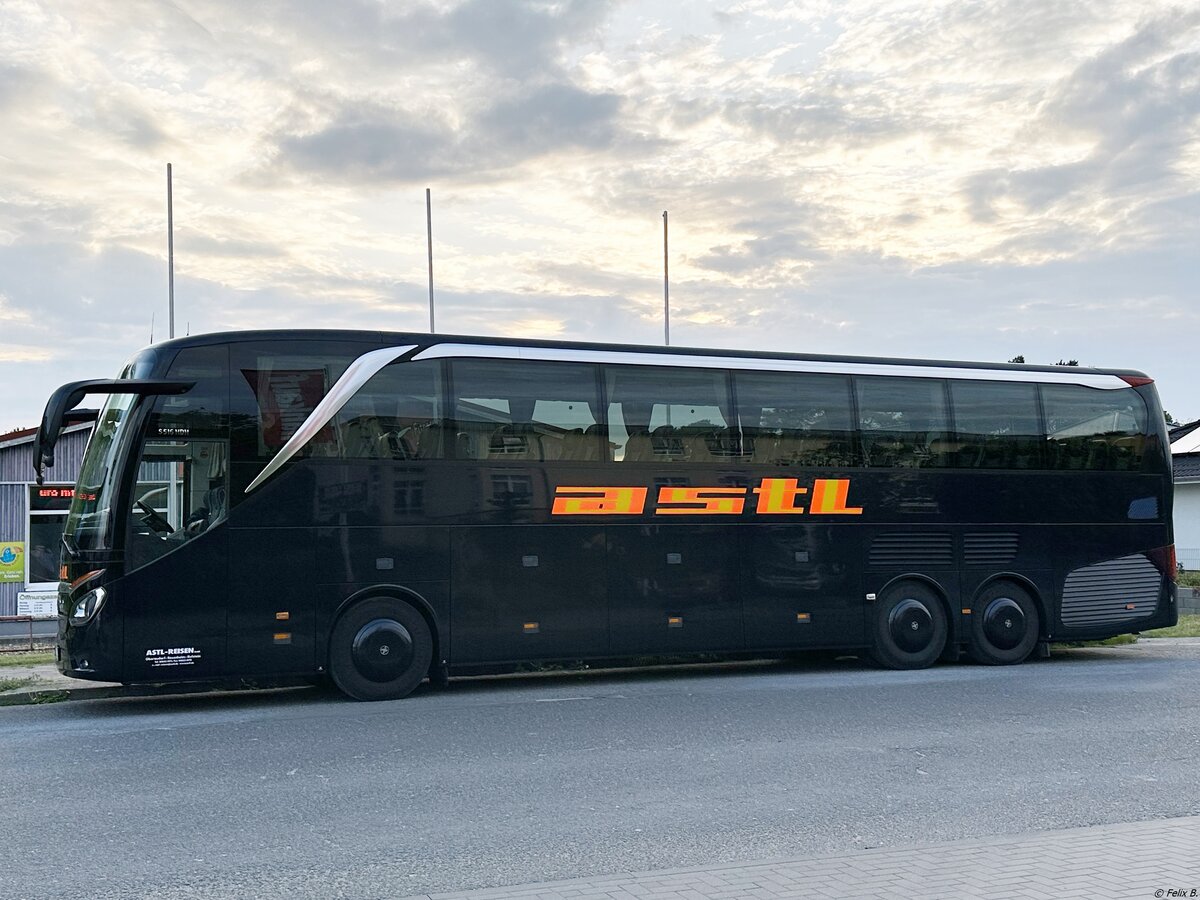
(389, 507)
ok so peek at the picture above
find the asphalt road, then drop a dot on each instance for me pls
(300, 793)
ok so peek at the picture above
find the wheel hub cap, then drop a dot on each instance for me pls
(1004, 623)
(911, 625)
(382, 650)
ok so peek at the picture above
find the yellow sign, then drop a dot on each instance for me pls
(12, 561)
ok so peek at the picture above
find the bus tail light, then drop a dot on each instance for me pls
(88, 605)
(1136, 380)
(1164, 560)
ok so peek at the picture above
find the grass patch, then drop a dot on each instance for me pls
(1189, 626)
(49, 697)
(1118, 641)
(11, 684)
(1189, 579)
(27, 658)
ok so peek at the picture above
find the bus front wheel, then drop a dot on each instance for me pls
(1004, 625)
(909, 628)
(380, 650)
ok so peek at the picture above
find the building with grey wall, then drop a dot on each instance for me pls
(1185, 466)
(32, 516)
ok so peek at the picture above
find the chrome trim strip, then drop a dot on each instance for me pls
(356, 375)
(652, 358)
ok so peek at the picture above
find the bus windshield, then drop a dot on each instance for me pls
(87, 525)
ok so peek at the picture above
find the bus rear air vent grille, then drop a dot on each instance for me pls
(994, 549)
(912, 551)
(1102, 594)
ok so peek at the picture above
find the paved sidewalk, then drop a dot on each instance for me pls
(1158, 859)
(45, 682)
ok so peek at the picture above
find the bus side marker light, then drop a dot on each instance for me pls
(801, 556)
(529, 562)
(1131, 606)
(674, 559)
(803, 618)
(283, 637)
(282, 616)
(871, 597)
(531, 627)
(674, 621)
(966, 612)
(385, 563)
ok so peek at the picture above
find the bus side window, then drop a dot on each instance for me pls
(273, 388)
(1089, 428)
(396, 415)
(665, 415)
(525, 411)
(796, 419)
(904, 422)
(998, 425)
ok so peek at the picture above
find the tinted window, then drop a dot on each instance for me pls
(275, 386)
(998, 425)
(904, 422)
(395, 415)
(670, 415)
(202, 411)
(510, 410)
(801, 419)
(1089, 428)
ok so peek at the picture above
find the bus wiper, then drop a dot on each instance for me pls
(68, 541)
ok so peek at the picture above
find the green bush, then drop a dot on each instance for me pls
(1189, 579)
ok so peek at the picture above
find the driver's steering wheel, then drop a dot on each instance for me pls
(153, 517)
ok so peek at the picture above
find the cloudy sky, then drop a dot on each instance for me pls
(968, 180)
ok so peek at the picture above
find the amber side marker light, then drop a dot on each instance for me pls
(803, 618)
(282, 616)
(531, 628)
(283, 637)
(674, 621)
(966, 611)
(84, 577)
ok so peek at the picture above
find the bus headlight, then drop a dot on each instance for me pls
(88, 605)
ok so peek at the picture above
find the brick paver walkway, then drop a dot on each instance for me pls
(1135, 860)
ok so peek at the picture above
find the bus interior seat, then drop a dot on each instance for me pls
(724, 444)
(364, 438)
(603, 448)
(514, 442)
(638, 447)
(577, 445)
(667, 444)
(694, 444)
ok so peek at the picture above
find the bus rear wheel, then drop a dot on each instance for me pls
(380, 650)
(909, 627)
(1004, 625)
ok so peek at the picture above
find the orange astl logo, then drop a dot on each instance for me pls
(776, 496)
(600, 501)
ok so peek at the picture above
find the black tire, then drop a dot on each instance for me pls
(380, 649)
(1004, 625)
(908, 628)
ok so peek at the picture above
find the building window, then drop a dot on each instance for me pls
(48, 506)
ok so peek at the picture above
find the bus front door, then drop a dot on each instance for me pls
(174, 593)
